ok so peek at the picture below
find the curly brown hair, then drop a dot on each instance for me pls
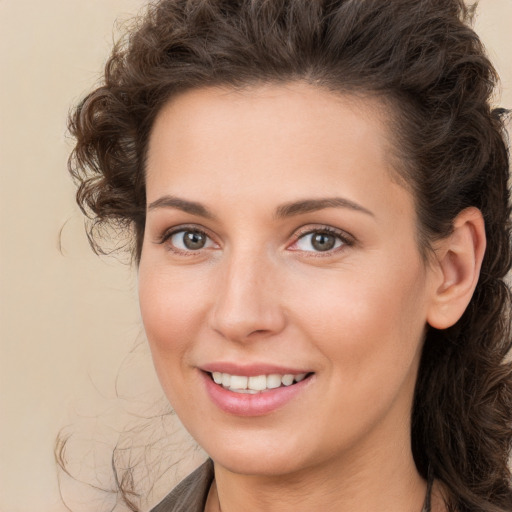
(421, 57)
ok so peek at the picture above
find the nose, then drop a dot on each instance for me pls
(248, 301)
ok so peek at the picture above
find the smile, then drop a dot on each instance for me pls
(255, 384)
(261, 392)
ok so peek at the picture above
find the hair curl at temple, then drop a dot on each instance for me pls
(429, 67)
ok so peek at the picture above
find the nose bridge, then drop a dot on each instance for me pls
(247, 300)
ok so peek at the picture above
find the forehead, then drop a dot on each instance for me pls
(272, 140)
(288, 106)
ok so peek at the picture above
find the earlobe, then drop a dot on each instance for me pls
(458, 260)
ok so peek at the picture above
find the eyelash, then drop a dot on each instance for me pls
(167, 235)
(346, 239)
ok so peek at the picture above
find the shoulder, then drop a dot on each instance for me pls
(190, 494)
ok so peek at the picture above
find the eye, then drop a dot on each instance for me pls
(319, 240)
(187, 240)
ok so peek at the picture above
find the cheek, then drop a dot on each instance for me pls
(368, 323)
(170, 308)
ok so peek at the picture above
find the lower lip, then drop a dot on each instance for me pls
(259, 404)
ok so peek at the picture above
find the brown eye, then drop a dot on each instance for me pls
(319, 241)
(323, 241)
(194, 240)
(190, 240)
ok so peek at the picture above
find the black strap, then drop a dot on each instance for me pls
(428, 498)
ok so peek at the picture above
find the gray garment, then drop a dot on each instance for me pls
(190, 495)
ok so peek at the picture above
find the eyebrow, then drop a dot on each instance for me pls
(181, 204)
(311, 205)
(286, 210)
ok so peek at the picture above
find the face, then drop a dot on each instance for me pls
(281, 286)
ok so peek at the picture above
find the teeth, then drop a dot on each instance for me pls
(238, 382)
(287, 380)
(255, 384)
(273, 381)
(258, 383)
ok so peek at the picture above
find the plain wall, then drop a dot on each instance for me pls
(69, 320)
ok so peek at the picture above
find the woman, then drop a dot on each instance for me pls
(318, 198)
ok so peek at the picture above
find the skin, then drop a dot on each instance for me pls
(259, 292)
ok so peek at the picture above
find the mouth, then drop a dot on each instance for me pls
(258, 383)
(256, 389)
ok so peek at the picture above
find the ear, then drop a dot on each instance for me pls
(458, 259)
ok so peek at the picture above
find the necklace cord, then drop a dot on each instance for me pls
(428, 498)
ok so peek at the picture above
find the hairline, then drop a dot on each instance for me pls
(387, 108)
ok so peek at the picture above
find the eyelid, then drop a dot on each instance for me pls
(165, 236)
(347, 239)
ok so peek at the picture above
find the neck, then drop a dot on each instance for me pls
(383, 482)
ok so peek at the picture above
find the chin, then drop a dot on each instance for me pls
(258, 463)
(264, 455)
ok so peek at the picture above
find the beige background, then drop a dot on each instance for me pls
(69, 320)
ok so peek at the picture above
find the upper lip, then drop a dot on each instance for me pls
(251, 370)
